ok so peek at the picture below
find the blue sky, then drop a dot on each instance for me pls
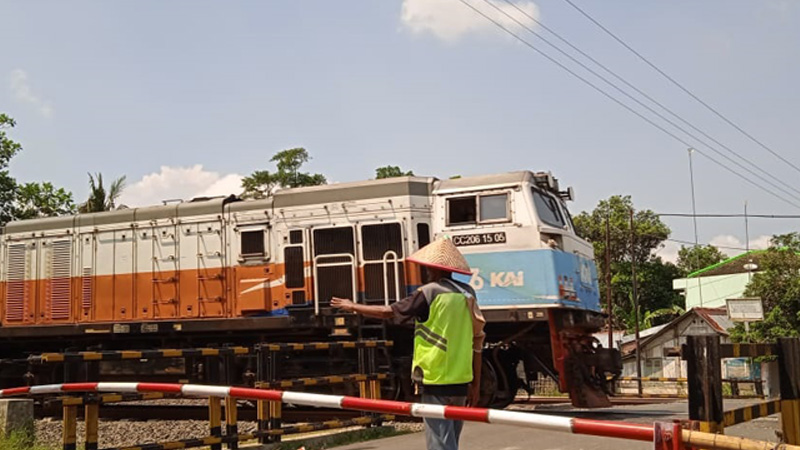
(184, 97)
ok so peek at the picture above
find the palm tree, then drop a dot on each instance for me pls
(98, 199)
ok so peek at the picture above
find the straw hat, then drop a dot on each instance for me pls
(441, 254)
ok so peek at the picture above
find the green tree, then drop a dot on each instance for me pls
(31, 199)
(691, 259)
(8, 186)
(649, 230)
(100, 199)
(788, 241)
(778, 284)
(262, 183)
(391, 172)
(42, 200)
(658, 302)
(653, 275)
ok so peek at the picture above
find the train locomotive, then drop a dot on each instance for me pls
(231, 271)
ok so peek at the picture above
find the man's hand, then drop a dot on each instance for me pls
(474, 395)
(343, 304)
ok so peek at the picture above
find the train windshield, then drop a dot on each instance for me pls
(548, 210)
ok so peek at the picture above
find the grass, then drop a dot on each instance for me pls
(20, 441)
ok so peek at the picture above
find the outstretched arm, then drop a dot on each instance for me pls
(376, 311)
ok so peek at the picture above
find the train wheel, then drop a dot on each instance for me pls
(489, 385)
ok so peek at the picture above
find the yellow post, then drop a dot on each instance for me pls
(215, 419)
(262, 410)
(69, 432)
(275, 409)
(790, 421)
(231, 426)
(91, 418)
(789, 374)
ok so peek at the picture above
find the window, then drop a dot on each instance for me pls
(652, 367)
(465, 210)
(252, 243)
(294, 266)
(461, 211)
(331, 241)
(423, 234)
(296, 237)
(547, 209)
(494, 208)
(376, 240)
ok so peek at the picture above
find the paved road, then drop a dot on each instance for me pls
(477, 436)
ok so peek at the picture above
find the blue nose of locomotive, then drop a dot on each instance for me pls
(543, 277)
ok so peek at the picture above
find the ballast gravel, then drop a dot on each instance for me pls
(122, 433)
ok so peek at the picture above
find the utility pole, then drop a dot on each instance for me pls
(694, 221)
(635, 306)
(609, 309)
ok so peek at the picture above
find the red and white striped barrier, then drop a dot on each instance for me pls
(603, 428)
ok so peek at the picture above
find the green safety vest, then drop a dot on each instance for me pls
(443, 343)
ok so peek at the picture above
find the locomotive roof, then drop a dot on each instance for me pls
(339, 192)
(174, 210)
(483, 181)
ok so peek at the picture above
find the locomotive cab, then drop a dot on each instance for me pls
(535, 280)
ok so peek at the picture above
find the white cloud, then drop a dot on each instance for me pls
(179, 183)
(669, 252)
(450, 19)
(22, 91)
(732, 245)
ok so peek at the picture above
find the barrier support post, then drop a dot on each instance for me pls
(705, 382)
(789, 374)
(69, 431)
(362, 369)
(212, 376)
(275, 408)
(91, 418)
(231, 426)
(262, 406)
(215, 419)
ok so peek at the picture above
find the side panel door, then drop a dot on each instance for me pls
(20, 295)
(210, 274)
(87, 280)
(124, 274)
(165, 279)
(254, 274)
(334, 265)
(383, 262)
(57, 279)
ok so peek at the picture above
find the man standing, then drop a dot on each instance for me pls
(448, 336)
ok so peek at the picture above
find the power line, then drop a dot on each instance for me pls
(640, 103)
(681, 241)
(727, 216)
(637, 90)
(681, 87)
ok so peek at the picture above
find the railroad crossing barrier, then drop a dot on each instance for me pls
(664, 436)
(704, 354)
(219, 367)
